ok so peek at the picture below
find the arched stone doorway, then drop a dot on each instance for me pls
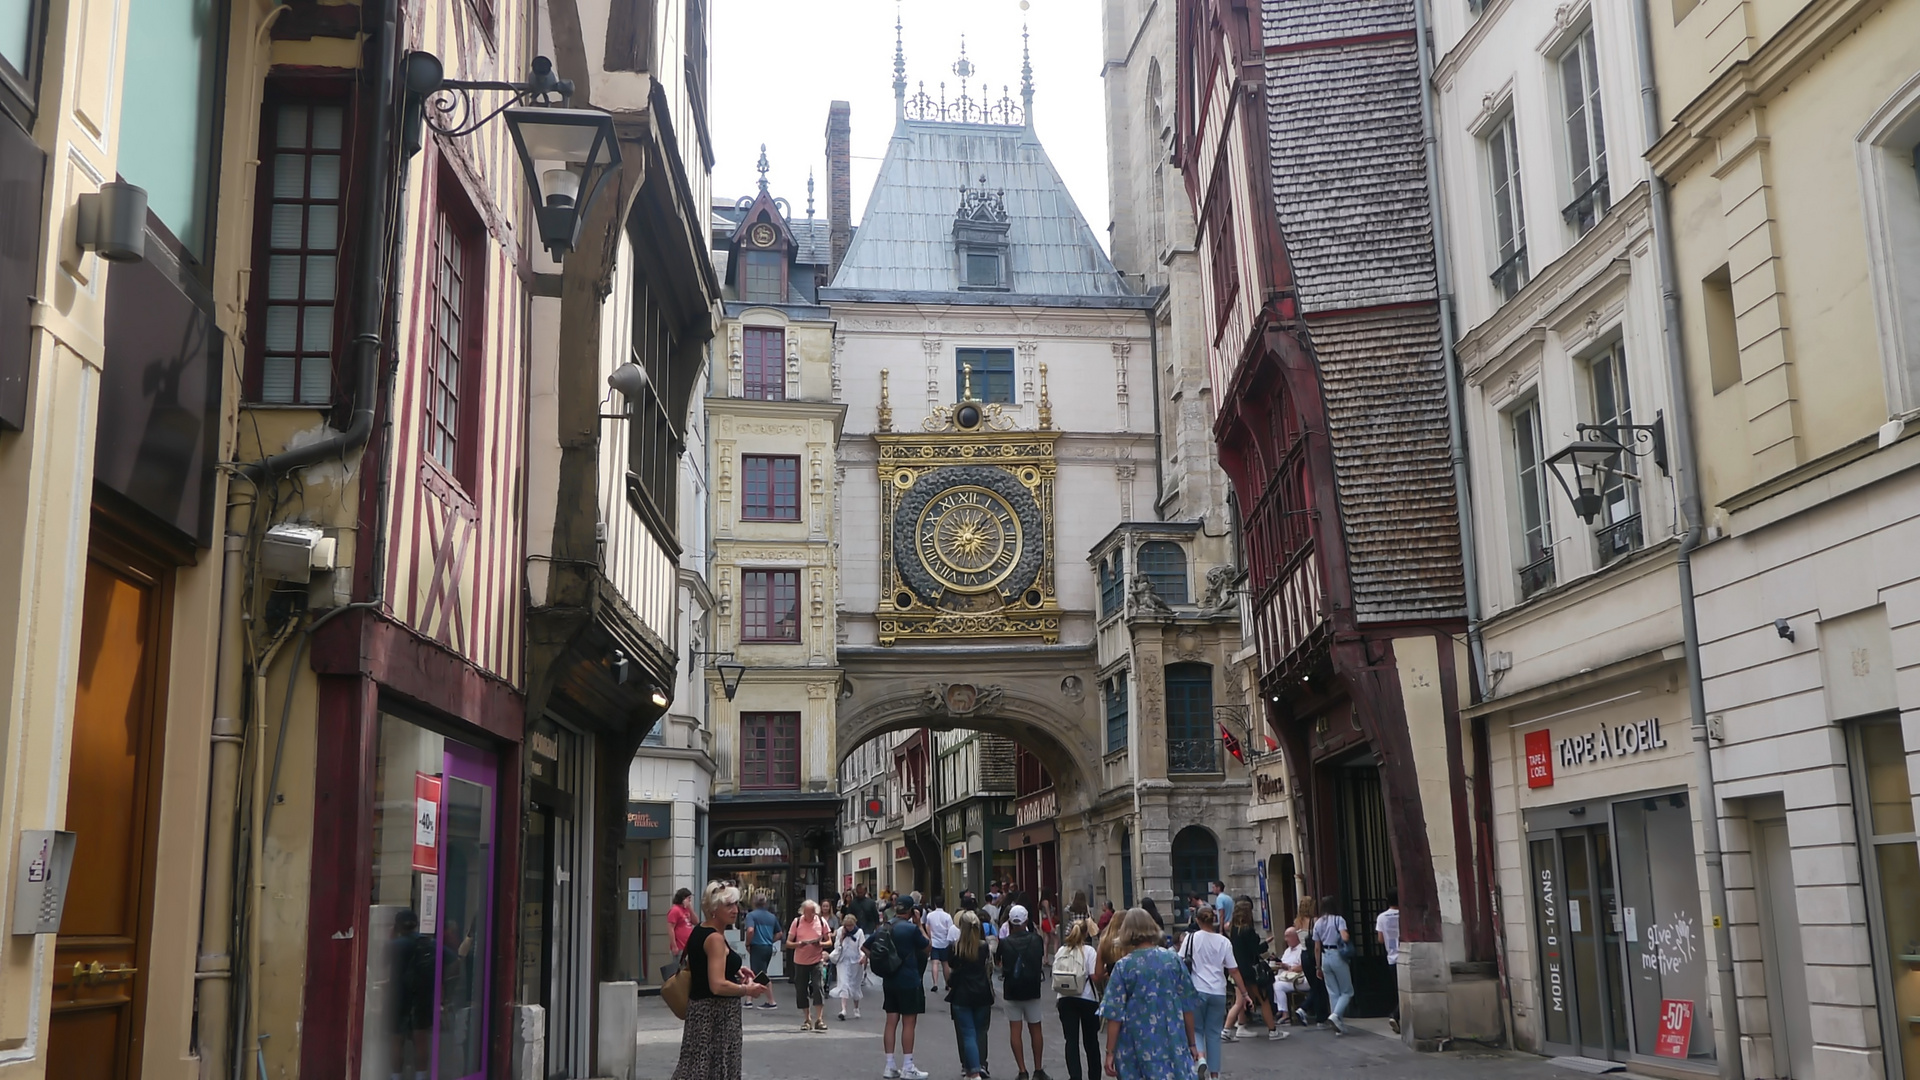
(1196, 861)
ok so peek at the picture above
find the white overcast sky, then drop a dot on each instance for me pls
(778, 63)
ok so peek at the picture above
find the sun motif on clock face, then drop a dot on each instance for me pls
(968, 538)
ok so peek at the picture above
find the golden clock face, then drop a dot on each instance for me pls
(763, 235)
(968, 538)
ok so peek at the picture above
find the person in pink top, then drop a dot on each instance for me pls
(808, 938)
(680, 920)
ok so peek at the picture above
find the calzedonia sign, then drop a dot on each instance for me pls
(1604, 743)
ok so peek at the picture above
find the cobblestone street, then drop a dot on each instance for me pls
(777, 1050)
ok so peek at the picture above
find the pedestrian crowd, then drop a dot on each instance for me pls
(1138, 996)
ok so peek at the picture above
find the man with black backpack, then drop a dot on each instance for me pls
(898, 954)
(1021, 957)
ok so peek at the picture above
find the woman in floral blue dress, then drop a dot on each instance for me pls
(1148, 1007)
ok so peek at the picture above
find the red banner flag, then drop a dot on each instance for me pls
(1272, 745)
(1233, 744)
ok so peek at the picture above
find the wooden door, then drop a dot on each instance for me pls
(112, 777)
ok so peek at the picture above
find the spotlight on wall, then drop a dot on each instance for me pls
(1783, 628)
(660, 699)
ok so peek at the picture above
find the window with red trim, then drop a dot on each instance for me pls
(770, 487)
(763, 363)
(453, 332)
(296, 272)
(770, 751)
(770, 605)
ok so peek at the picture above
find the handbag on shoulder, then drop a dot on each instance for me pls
(677, 990)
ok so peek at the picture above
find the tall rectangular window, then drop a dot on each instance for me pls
(988, 371)
(452, 331)
(770, 487)
(300, 220)
(1586, 137)
(20, 29)
(1112, 584)
(654, 440)
(770, 751)
(1619, 497)
(1223, 252)
(770, 605)
(1509, 222)
(1890, 853)
(1530, 490)
(168, 116)
(763, 277)
(1115, 692)
(1191, 746)
(763, 363)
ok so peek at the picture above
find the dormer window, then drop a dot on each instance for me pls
(763, 277)
(980, 229)
(983, 270)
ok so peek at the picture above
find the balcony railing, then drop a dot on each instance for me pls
(1193, 755)
(1618, 539)
(1536, 576)
(1511, 277)
(1588, 207)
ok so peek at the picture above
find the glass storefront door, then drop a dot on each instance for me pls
(1577, 912)
(427, 986)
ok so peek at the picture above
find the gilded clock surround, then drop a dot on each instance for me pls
(967, 531)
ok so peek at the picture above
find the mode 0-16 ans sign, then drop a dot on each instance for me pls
(1602, 744)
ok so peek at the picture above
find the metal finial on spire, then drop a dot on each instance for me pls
(899, 60)
(763, 168)
(809, 194)
(1026, 75)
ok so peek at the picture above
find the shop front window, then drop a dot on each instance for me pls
(1661, 919)
(431, 907)
(1883, 797)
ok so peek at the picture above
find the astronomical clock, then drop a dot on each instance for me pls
(967, 527)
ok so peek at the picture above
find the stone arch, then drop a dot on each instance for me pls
(1195, 859)
(1064, 744)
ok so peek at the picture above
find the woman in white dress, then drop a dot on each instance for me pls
(850, 966)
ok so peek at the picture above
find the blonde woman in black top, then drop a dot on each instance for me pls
(710, 1045)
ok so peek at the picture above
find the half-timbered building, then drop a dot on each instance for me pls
(1299, 133)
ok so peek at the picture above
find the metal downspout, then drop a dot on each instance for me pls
(1732, 1066)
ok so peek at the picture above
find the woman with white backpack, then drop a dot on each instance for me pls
(1078, 1002)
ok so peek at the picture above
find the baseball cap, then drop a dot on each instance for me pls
(1017, 915)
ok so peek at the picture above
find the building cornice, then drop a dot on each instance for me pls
(1637, 665)
(1840, 472)
(1659, 557)
(1449, 65)
(1795, 48)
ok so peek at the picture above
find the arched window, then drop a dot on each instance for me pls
(1165, 565)
(1196, 861)
(1192, 746)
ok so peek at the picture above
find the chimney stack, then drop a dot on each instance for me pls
(839, 182)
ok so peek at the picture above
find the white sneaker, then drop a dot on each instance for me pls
(891, 1073)
(914, 1073)
(1338, 1026)
(1275, 1035)
(1228, 1035)
(1241, 1032)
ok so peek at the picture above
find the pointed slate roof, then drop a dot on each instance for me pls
(905, 242)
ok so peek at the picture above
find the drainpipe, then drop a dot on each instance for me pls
(1688, 477)
(1159, 448)
(1456, 419)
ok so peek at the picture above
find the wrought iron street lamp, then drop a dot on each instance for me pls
(1600, 451)
(730, 670)
(566, 154)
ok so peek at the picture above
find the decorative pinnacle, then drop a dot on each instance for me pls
(886, 404)
(809, 194)
(899, 59)
(763, 168)
(1026, 74)
(1046, 403)
(966, 391)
